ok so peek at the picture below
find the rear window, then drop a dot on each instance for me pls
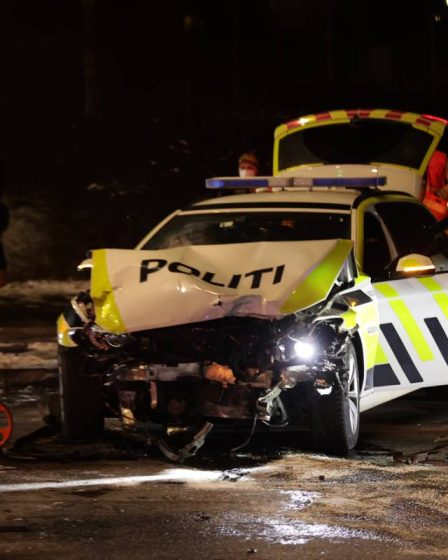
(249, 227)
(361, 141)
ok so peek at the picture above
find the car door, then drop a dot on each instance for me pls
(412, 349)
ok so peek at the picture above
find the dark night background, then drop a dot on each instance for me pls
(113, 112)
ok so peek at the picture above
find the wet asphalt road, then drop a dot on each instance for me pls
(274, 499)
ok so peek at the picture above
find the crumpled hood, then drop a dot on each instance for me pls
(136, 290)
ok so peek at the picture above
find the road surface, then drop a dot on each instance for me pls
(274, 499)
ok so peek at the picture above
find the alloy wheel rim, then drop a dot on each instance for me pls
(353, 394)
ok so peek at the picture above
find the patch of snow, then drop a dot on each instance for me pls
(20, 396)
(299, 499)
(35, 290)
(37, 355)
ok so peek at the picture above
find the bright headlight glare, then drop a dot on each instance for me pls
(304, 350)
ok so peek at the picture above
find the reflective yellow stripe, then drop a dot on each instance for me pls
(431, 284)
(349, 318)
(441, 299)
(387, 290)
(442, 302)
(62, 330)
(317, 284)
(428, 155)
(341, 115)
(380, 357)
(107, 314)
(367, 318)
(368, 321)
(411, 327)
(275, 159)
(407, 320)
(361, 279)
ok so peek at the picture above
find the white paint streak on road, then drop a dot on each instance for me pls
(170, 475)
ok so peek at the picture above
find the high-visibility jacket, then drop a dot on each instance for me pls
(436, 180)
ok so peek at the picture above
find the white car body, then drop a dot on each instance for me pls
(321, 285)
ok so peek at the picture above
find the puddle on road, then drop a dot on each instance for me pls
(288, 531)
(293, 497)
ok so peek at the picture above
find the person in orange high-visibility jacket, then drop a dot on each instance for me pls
(436, 191)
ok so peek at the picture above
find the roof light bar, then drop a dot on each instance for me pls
(292, 182)
(248, 182)
(344, 182)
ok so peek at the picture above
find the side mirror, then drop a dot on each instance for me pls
(415, 265)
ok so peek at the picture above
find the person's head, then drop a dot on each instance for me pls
(248, 165)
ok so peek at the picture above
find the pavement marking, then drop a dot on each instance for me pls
(171, 475)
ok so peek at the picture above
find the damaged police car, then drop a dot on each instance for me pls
(299, 299)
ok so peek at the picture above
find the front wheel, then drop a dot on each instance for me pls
(335, 416)
(80, 396)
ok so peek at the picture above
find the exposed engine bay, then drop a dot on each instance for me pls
(175, 384)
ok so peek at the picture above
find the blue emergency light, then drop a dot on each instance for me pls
(239, 183)
(292, 182)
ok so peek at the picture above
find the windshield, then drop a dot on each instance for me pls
(361, 141)
(249, 227)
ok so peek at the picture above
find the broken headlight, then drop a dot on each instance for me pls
(304, 349)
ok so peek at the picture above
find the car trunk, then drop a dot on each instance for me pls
(359, 143)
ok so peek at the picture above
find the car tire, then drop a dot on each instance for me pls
(335, 416)
(80, 394)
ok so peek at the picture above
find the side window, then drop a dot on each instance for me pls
(406, 222)
(376, 250)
